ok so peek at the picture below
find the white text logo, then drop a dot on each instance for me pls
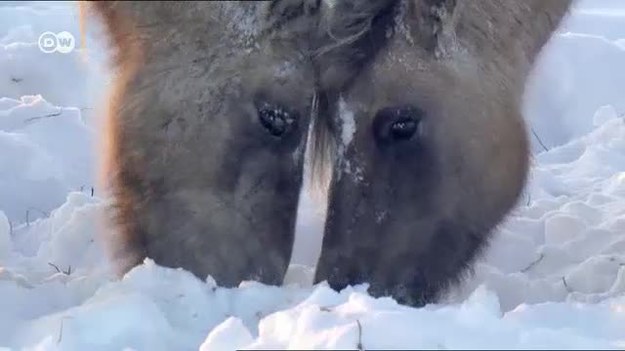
(62, 42)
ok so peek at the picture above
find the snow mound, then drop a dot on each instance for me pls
(575, 75)
(47, 152)
(553, 278)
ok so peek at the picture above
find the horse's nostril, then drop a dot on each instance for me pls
(394, 124)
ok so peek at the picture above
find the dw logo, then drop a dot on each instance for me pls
(62, 42)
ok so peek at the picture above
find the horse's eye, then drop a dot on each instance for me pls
(276, 119)
(403, 129)
(394, 124)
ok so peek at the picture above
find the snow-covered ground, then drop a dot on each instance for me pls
(553, 278)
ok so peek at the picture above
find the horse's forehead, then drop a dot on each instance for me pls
(243, 18)
(404, 51)
(403, 65)
(285, 69)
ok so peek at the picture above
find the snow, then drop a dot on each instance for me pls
(554, 276)
(348, 124)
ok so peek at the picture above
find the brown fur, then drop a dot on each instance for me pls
(199, 184)
(410, 217)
